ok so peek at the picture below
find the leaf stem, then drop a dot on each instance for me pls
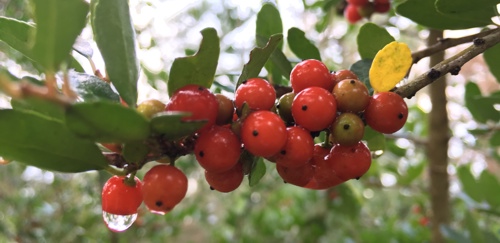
(112, 170)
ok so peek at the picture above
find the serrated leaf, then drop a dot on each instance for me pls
(90, 87)
(170, 124)
(107, 122)
(198, 69)
(478, 10)
(492, 58)
(362, 69)
(424, 12)
(258, 171)
(481, 108)
(135, 151)
(58, 23)
(488, 184)
(302, 47)
(469, 183)
(475, 234)
(495, 139)
(372, 38)
(34, 140)
(115, 38)
(258, 58)
(42, 107)
(374, 139)
(390, 66)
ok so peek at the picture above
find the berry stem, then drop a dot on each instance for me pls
(115, 171)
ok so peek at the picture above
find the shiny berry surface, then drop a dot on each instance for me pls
(298, 149)
(258, 93)
(310, 73)
(164, 186)
(119, 198)
(217, 149)
(386, 113)
(314, 109)
(263, 133)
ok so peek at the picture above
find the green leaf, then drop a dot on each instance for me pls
(488, 185)
(198, 69)
(108, 122)
(44, 108)
(475, 234)
(362, 69)
(34, 140)
(492, 58)
(495, 139)
(135, 151)
(258, 58)
(17, 35)
(412, 173)
(90, 87)
(58, 23)
(115, 38)
(371, 39)
(481, 108)
(258, 171)
(424, 12)
(453, 235)
(281, 64)
(301, 46)
(268, 24)
(170, 124)
(478, 10)
(374, 139)
(469, 184)
(350, 204)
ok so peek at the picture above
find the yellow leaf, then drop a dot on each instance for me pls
(389, 66)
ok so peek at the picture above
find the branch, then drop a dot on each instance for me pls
(451, 65)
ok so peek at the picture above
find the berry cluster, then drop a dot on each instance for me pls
(255, 125)
(358, 9)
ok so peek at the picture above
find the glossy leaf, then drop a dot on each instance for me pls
(198, 69)
(170, 124)
(58, 23)
(90, 87)
(258, 171)
(115, 38)
(374, 139)
(34, 140)
(488, 185)
(268, 24)
(492, 58)
(481, 108)
(424, 12)
(135, 151)
(258, 58)
(39, 106)
(372, 38)
(478, 10)
(108, 122)
(389, 66)
(469, 184)
(302, 47)
(362, 69)
(17, 35)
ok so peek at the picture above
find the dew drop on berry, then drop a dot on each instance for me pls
(118, 223)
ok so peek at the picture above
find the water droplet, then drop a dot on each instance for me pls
(118, 223)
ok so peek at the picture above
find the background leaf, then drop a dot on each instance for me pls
(362, 69)
(257, 172)
(424, 12)
(469, 184)
(115, 38)
(198, 69)
(478, 10)
(268, 24)
(258, 58)
(488, 184)
(492, 58)
(495, 139)
(58, 23)
(481, 108)
(28, 138)
(372, 38)
(170, 125)
(90, 87)
(301, 46)
(374, 139)
(475, 234)
(108, 122)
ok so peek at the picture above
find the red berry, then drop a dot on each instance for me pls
(314, 109)
(352, 14)
(164, 186)
(351, 95)
(257, 93)
(350, 162)
(345, 74)
(298, 176)
(198, 101)
(263, 133)
(381, 2)
(386, 113)
(310, 73)
(119, 198)
(382, 7)
(357, 2)
(298, 149)
(324, 177)
(226, 181)
(218, 149)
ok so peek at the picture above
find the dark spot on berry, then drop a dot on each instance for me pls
(283, 152)
(285, 182)
(211, 188)
(159, 203)
(277, 106)
(346, 126)
(357, 178)
(304, 107)
(455, 70)
(255, 133)
(478, 41)
(434, 74)
(315, 134)
(200, 88)
(201, 153)
(400, 116)
(352, 81)
(244, 82)
(353, 150)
